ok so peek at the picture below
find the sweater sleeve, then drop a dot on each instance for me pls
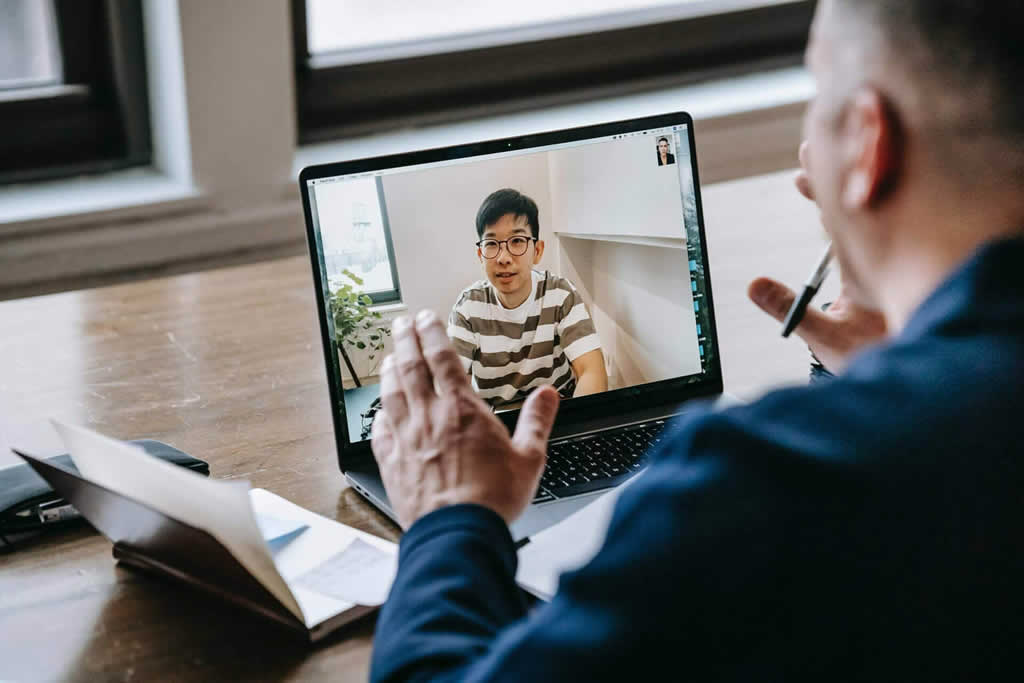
(455, 590)
(710, 557)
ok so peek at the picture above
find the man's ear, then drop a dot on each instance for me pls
(539, 251)
(871, 149)
(479, 255)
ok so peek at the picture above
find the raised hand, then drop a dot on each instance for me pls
(835, 335)
(438, 444)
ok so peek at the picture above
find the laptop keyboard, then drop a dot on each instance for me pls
(597, 461)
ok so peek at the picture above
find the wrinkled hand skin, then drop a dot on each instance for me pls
(835, 335)
(438, 444)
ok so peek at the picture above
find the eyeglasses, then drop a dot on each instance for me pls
(516, 246)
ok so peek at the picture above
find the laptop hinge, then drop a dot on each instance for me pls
(598, 424)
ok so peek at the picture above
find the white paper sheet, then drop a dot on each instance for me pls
(323, 540)
(7, 457)
(360, 574)
(273, 528)
(566, 546)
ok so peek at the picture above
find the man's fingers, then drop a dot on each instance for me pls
(392, 398)
(775, 298)
(441, 357)
(771, 296)
(409, 362)
(382, 439)
(535, 420)
(392, 465)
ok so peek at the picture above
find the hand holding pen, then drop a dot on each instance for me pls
(834, 335)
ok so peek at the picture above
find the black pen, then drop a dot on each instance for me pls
(796, 311)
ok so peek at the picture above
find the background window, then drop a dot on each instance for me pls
(365, 65)
(348, 31)
(72, 88)
(29, 54)
(357, 238)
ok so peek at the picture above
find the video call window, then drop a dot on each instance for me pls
(575, 265)
(664, 151)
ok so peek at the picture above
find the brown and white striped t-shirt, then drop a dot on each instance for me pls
(508, 352)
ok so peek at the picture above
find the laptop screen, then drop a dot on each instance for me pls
(577, 263)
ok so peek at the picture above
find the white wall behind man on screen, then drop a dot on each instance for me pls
(615, 188)
(432, 214)
(639, 294)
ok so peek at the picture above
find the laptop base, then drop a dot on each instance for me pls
(537, 516)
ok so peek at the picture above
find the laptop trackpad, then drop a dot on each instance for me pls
(540, 517)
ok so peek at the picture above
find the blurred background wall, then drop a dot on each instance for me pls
(148, 137)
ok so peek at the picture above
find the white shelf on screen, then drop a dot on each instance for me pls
(642, 240)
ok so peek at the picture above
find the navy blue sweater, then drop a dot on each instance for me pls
(867, 528)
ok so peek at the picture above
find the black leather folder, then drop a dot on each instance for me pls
(29, 503)
(149, 540)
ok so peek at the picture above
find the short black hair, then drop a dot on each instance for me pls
(969, 50)
(503, 202)
(665, 139)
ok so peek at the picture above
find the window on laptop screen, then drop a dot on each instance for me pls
(577, 265)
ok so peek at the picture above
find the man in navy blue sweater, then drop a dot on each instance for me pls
(865, 528)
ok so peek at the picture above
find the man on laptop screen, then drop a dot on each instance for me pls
(576, 292)
(595, 282)
(522, 328)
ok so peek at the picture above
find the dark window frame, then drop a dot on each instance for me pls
(390, 296)
(355, 99)
(98, 120)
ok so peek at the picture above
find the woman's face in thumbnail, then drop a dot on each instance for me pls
(510, 274)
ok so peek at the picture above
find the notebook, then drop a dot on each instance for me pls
(249, 547)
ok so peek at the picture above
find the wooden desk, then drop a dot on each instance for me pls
(227, 366)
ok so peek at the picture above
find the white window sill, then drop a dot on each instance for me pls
(121, 194)
(704, 101)
(390, 309)
(141, 193)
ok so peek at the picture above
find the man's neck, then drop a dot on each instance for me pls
(918, 263)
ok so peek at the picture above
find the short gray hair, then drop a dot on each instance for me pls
(966, 58)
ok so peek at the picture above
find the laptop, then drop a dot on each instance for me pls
(618, 209)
